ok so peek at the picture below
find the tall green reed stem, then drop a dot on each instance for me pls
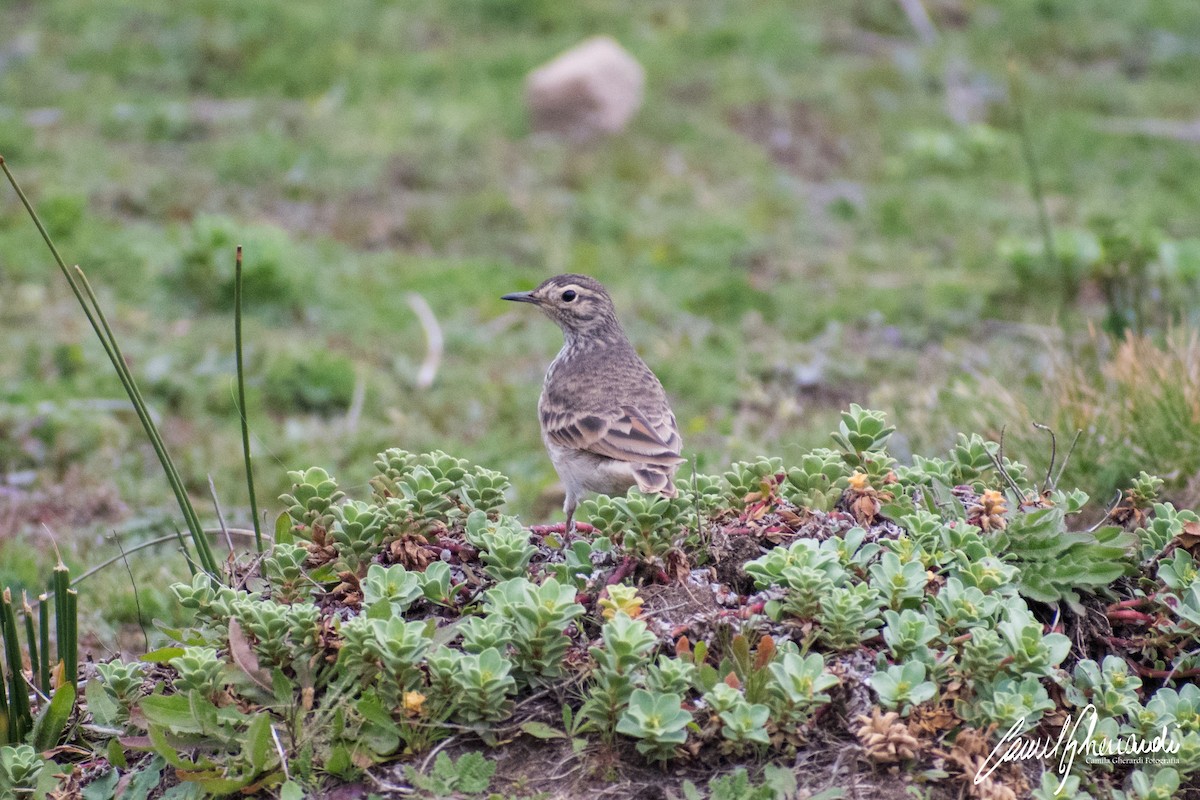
(1031, 164)
(241, 382)
(20, 717)
(87, 300)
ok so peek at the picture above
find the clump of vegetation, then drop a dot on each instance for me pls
(931, 603)
(857, 593)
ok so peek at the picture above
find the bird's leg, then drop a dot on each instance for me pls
(569, 507)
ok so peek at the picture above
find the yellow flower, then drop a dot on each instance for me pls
(621, 598)
(413, 704)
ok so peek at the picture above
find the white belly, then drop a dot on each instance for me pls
(583, 472)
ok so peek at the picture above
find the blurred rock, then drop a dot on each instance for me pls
(593, 88)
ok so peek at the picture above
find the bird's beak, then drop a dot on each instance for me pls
(520, 297)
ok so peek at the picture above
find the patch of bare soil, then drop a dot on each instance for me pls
(795, 136)
(70, 503)
(529, 767)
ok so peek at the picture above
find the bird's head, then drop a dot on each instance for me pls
(579, 305)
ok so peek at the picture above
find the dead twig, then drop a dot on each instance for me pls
(997, 460)
(1063, 466)
(357, 399)
(212, 491)
(433, 340)
(1108, 514)
(1046, 483)
(440, 746)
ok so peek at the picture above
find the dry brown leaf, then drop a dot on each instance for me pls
(242, 653)
(1189, 538)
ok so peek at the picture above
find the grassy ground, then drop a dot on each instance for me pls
(800, 217)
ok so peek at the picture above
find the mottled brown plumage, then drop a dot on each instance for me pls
(605, 418)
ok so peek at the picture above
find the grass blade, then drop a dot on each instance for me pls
(71, 651)
(66, 617)
(31, 637)
(241, 383)
(100, 325)
(1035, 179)
(21, 718)
(5, 727)
(44, 640)
(207, 561)
(50, 724)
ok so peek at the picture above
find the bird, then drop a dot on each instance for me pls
(605, 419)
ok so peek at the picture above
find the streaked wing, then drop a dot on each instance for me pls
(629, 435)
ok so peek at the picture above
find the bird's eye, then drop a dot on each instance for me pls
(568, 295)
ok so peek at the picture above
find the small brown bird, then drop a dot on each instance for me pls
(605, 418)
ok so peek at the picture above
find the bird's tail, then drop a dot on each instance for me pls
(656, 480)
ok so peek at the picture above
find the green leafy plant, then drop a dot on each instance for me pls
(54, 677)
(861, 432)
(219, 748)
(310, 503)
(1054, 563)
(745, 725)
(645, 525)
(620, 661)
(503, 544)
(20, 768)
(704, 493)
(818, 481)
(960, 607)
(900, 585)
(808, 570)
(433, 484)
(538, 618)
(907, 633)
(746, 478)
(385, 653)
(479, 685)
(1166, 523)
(469, 774)
(480, 633)
(900, 687)
(1008, 700)
(357, 532)
(848, 616)
(777, 783)
(1030, 650)
(670, 675)
(798, 687)
(435, 583)
(283, 567)
(122, 681)
(657, 721)
(485, 490)
(200, 671)
(1109, 686)
(576, 566)
(389, 591)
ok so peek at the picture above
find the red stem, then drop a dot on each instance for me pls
(1132, 602)
(1129, 615)
(1147, 672)
(622, 571)
(560, 527)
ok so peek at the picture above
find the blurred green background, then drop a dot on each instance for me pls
(813, 207)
